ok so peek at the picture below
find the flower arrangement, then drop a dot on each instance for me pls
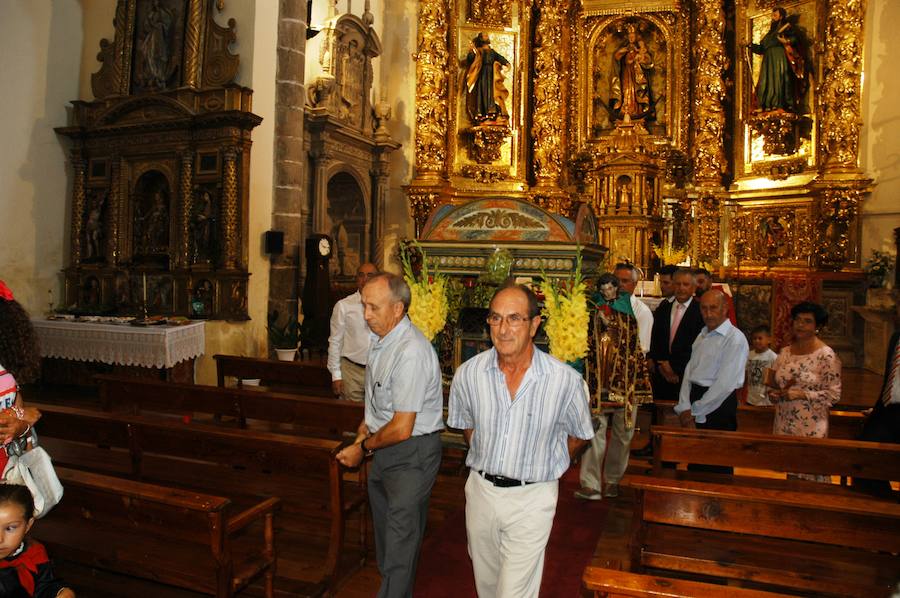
(428, 308)
(880, 265)
(566, 311)
(671, 255)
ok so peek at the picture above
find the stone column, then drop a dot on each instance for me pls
(290, 212)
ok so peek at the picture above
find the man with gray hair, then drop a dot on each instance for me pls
(401, 431)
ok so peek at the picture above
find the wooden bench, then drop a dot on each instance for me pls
(200, 542)
(810, 541)
(309, 415)
(317, 500)
(759, 420)
(614, 584)
(307, 379)
(820, 456)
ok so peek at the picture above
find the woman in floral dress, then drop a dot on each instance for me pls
(806, 377)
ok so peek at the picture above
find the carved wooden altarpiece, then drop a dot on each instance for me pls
(160, 165)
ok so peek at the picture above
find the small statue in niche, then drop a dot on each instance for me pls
(783, 81)
(201, 303)
(154, 66)
(202, 226)
(90, 294)
(153, 225)
(93, 229)
(630, 84)
(623, 195)
(775, 236)
(485, 92)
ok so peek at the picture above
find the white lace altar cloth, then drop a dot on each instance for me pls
(117, 344)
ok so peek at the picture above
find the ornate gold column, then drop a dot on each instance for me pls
(230, 208)
(113, 252)
(710, 64)
(839, 91)
(78, 168)
(547, 117)
(187, 208)
(192, 50)
(432, 73)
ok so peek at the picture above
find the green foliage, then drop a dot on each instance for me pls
(286, 336)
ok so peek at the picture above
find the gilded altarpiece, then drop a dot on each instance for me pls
(160, 161)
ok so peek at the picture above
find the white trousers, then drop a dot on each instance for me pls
(508, 529)
(616, 452)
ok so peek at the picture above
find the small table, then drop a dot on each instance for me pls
(167, 351)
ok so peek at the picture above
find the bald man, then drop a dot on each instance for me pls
(708, 397)
(348, 344)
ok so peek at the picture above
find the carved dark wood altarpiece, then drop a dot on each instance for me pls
(160, 163)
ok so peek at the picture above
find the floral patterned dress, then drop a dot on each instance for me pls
(818, 374)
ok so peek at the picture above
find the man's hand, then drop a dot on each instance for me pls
(350, 456)
(668, 373)
(337, 387)
(687, 420)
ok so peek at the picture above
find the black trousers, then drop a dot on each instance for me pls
(723, 418)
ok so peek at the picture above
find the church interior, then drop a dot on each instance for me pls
(190, 186)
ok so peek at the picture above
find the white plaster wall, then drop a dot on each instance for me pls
(40, 43)
(880, 142)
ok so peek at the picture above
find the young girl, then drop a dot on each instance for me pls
(25, 570)
(20, 362)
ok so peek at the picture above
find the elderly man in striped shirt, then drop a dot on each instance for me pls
(525, 415)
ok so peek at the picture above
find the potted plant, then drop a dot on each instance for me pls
(284, 338)
(878, 269)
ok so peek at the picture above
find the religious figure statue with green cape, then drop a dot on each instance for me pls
(485, 92)
(782, 82)
(615, 367)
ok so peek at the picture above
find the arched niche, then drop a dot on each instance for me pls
(347, 223)
(151, 218)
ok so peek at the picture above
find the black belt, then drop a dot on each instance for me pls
(501, 481)
(359, 365)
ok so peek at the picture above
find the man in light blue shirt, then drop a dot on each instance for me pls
(708, 397)
(404, 415)
(525, 414)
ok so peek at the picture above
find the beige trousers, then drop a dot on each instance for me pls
(354, 380)
(616, 452)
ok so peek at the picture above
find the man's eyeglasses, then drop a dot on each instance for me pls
(512, 320)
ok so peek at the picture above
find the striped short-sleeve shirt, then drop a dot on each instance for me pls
(525, 438)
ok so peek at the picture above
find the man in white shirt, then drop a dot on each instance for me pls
(348, 345)
(708, 397)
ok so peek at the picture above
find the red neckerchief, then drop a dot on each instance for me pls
(26, 564)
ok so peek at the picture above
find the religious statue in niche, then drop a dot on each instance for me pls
(624, 194)
(783, 81)
(630, 81)
(775, 236)
(90, 293)
(202, 227)
(151, 218)
(93, 228)
(154, 64)
(202, 301)
(779, 99)
(161, 295)
(486, 93)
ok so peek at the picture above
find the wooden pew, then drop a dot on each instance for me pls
(201, 542)
(820, 456)
(308, 379)
(615, 584)
(316, 498)
(810, 541)
(311, 415)
(759, 420)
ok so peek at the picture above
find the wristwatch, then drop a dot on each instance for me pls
(366, 451)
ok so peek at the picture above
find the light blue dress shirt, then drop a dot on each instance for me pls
(718, 358)
(526, 438)
(404, 375)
